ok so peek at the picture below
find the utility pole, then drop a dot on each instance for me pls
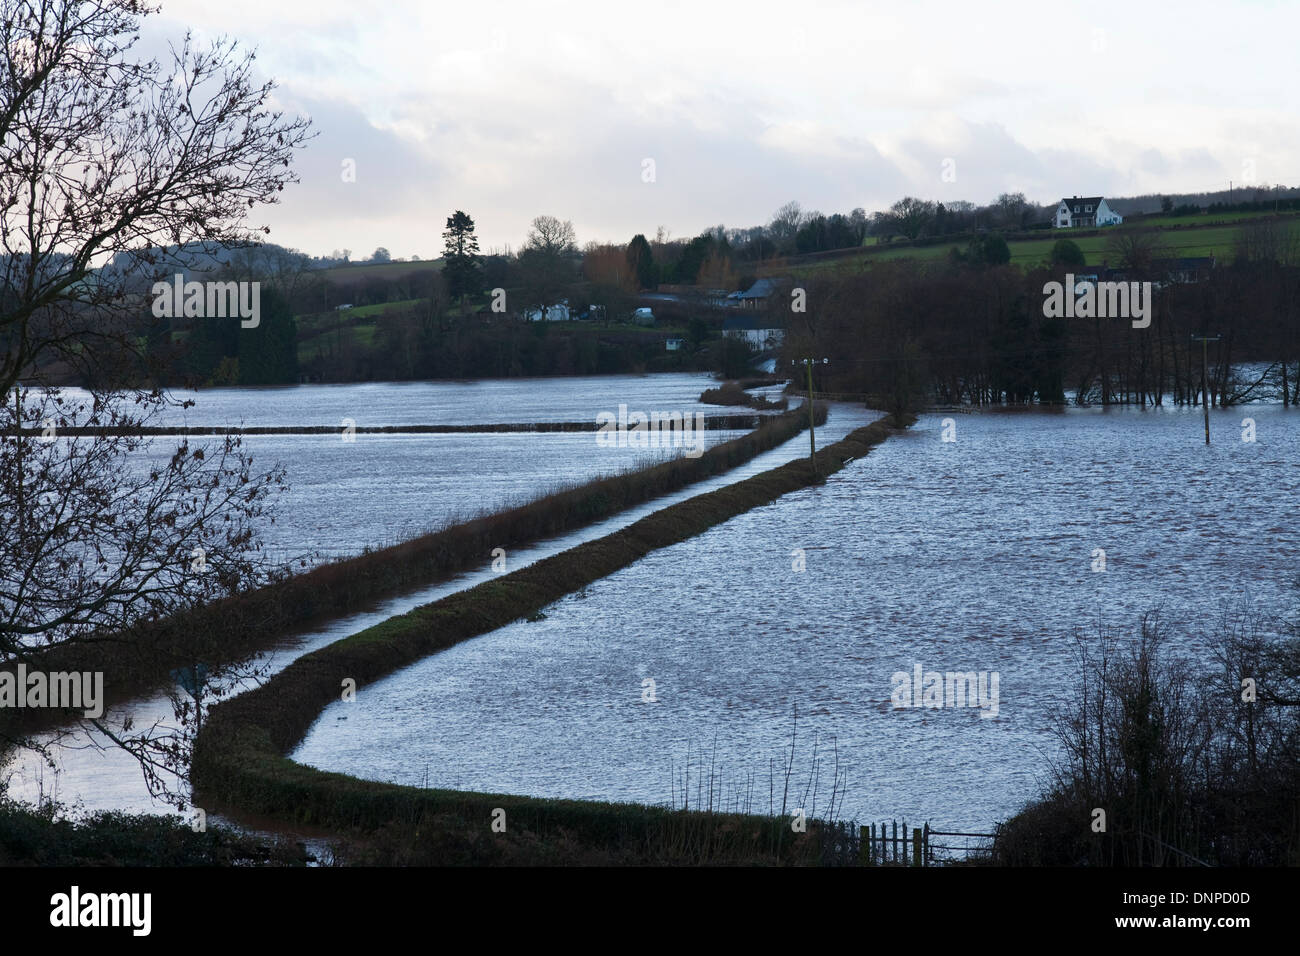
(1205, 388)
(812, 437)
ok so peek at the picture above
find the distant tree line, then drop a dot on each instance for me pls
(972, 329)
(421, 342)
(1003, 351)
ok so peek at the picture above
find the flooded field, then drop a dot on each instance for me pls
(975, 555)
(352, 503)
(378, 489)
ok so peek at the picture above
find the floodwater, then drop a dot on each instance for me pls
(478, 402)
(375, 490)
(980, 554)
(403, 484)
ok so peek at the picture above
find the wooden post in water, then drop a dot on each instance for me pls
(895, 841)
(812, 438)
(917, 858)
(1205, 376)
(812, 431)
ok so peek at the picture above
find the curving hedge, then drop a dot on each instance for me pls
(225, 631)
(240, 756)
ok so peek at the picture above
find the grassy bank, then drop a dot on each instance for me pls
(240, 756)
(142, 660)
(733, 393)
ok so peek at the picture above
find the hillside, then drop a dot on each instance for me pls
(1180, 236)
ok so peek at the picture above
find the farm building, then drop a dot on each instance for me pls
(758, 295)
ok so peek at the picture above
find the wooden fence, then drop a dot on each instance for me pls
(889, 844)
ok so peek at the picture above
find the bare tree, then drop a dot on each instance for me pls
(1013, 209)
(552, 237)
(546, 262)
(1136, 250)
(114, 172)
(785, 225)
(1266, 241)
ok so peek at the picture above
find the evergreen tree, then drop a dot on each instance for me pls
(641, 259)
(460, 252)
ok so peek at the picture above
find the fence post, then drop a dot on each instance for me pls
(916, 847)
(864, 847)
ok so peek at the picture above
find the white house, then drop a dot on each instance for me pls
(1085, 211)
(759, 333)
(674, 345)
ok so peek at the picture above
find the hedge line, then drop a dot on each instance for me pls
(240, 762)
(141, 661)
(711, 423)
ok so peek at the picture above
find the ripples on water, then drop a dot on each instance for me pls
(348, 499)
(970, 556)
(487, 401)
(382, 489)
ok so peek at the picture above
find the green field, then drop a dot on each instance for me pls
(367, 311)
(346, 338)
(1204, 219)
(1181, 236)
(313, 324)
(371, 270)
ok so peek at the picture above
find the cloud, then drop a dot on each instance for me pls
(510, 110)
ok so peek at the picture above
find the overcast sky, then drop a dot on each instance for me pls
(509, 110)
